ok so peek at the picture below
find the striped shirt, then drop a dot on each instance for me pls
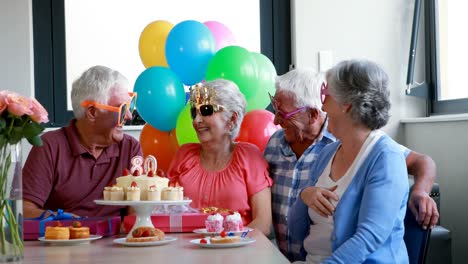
(289, 176)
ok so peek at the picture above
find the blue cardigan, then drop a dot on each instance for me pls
(368, 220)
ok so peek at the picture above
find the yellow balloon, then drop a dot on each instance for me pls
(153, 42)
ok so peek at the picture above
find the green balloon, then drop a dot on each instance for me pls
(234, 63)
(265, 82)
(184, 129)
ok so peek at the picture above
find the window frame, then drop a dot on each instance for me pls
(436, 106)
(50, 58)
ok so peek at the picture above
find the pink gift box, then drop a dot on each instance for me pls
(104, 226)
(172, 223)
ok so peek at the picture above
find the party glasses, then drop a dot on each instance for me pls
(324, 92)
(122, 109)
(205, 109)
(286, 116)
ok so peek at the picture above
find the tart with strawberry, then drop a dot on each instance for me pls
(146, 234)
(78, 231)
(225, 238)
(57, 232)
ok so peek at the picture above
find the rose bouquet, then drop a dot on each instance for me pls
(20, 117)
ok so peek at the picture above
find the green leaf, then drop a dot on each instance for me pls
(35, 141)
(16, 135)
(32, 129)
(2, 123)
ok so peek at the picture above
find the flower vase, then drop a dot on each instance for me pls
(11, 203)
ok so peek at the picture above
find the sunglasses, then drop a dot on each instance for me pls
(205, 109)
(324, 92)
(284, 115)
(122, 109)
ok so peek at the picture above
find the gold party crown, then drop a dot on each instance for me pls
(200, 95)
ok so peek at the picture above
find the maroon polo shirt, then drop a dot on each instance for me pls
(62, 174)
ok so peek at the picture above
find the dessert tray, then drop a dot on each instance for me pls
(70, 241)
(243, 242)
(123, 241)
(206, 233)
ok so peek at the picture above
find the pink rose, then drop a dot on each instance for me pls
(18, 105)
(3, 102)
(39, 114)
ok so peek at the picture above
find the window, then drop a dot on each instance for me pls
(446, 56)
(72, 35)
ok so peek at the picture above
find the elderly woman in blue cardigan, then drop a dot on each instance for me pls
(354, 207)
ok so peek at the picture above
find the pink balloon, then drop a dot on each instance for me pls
(222, 35)
(257, 128)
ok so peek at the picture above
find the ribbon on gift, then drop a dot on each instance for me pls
(175, 223)
(60, 215)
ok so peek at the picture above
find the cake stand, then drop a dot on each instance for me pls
(143, 209)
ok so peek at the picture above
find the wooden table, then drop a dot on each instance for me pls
(179, 251)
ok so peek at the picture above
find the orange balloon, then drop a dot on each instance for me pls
(162, 145)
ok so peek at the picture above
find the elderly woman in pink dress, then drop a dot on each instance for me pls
(218, 171)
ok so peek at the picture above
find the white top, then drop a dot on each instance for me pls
(318, 243)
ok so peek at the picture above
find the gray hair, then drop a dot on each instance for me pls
(303, 86)
(229, 96)
(364, 85)
(95, 84)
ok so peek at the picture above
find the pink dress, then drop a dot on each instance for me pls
(230, 188)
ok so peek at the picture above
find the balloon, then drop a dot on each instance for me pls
(162, 145)
(152, 43)
(189, 47)
(185, 132)
(257, 127)
(265, 83)
(236, 64)
(222, 35)
(161, 96)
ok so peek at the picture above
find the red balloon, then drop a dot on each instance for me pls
(257, 127)
(162, 145)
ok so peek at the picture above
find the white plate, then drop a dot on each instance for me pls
(206, 233)
(123, 241)
(243, 241)
(132, 203)
(70, 241)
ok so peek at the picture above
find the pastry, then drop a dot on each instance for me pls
(146, 234)
(78, 231)
(57, 232)
(224, 240)
(214, 223)
(233, 223)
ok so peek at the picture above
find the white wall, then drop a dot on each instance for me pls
(375, 30)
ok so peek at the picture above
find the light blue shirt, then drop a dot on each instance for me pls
(368, 220)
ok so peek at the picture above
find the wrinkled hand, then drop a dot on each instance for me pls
(424, 209)
(318, 199)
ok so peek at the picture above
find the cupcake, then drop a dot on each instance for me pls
(116, 193)
(169, 194)
(107, 192)
(133, 192)
(214, 223)
(154, 194)
(233, 223)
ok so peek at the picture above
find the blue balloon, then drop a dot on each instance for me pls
(189, 47)
(161, 97)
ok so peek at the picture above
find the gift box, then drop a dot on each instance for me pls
(104, 226)
(172, 223)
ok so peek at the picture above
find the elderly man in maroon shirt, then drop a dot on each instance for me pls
(76, 162)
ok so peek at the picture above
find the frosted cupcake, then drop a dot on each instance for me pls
(214, 223)
(107, 192)
(116, 193)
(154, 194)
(133, 192)
(233, 223)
